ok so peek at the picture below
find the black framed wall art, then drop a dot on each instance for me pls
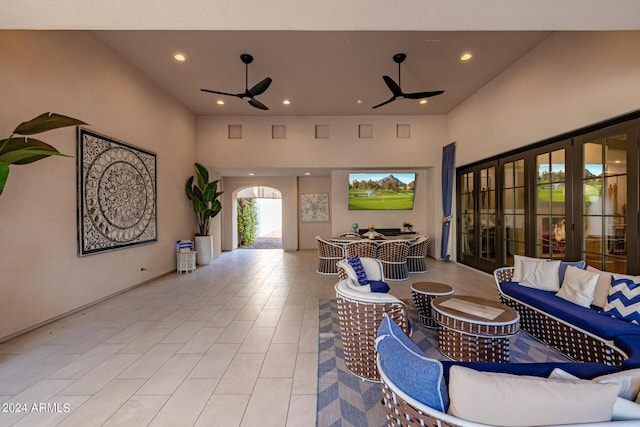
(116, 194)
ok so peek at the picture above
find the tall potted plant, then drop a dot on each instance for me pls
(204, 195)
(21, 150)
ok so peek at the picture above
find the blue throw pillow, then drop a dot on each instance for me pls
(379, 286)
(623, 300)
(357, 266)
(406, 366)
(563, 267)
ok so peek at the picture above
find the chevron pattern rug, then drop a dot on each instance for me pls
(344, 400)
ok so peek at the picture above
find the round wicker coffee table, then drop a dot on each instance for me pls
(423, 293)
(474, 329)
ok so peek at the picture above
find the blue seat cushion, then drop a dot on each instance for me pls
(584, 318)
(630, 344)
(408, 368)
(357, 266)
(581, 370)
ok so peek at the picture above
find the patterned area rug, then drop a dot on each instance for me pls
(345, 400)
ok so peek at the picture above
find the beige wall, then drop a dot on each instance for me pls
(570, 80)
(341, 153)
(70, 73)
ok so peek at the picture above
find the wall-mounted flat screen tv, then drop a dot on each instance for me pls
(381, 191)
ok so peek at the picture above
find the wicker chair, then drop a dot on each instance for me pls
(328, 254)
(416, 260)
(360, 314)
(349, 234)
(363, 248)
(393, 255)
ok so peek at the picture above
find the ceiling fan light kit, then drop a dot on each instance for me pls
(248, 94)
(396, 90)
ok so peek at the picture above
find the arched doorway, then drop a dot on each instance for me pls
(259, 213)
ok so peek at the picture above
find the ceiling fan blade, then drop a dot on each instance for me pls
(258, 104)
(393, 98)
(420, 95)
(260, 87)
(393, 86)
(221, 93)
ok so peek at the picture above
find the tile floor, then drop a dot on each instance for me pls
(231, 344)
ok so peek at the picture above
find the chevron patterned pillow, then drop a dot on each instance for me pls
(357, 266)
(624, 301)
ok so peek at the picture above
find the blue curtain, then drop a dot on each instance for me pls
(448, 163)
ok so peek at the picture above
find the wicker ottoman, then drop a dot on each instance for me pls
(423, 293)
(474, 329)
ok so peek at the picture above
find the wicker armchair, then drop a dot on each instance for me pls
(393, 255)
(360, 314)
(416, 259)
(362, 248)
(328, 254)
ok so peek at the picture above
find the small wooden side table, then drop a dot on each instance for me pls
(423, 293)
(186, 261)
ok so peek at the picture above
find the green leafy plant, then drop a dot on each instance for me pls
(204, 195)
(247, 221)
(22, 150)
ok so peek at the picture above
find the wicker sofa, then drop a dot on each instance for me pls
(580, 333)
(418, 391)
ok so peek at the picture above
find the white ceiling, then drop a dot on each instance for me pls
(320, 72)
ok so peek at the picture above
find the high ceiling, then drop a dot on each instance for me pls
(320, 72)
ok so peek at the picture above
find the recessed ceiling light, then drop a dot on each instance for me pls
(286, 102)
(359, 101)
(307, 173)
(251, 174)
(179, 57)
(423, 101)
(466, 56)
(220, 102)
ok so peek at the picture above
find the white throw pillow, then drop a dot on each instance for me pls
(579, 286)
(514, 400)
(602, 288)
(536, 273)
(623, 409)
(629, 381)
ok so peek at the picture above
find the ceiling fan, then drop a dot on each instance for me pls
(395, 89)
(248, 94)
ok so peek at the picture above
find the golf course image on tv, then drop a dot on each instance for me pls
(381, 191)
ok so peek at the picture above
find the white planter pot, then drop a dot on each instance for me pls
(204, 248)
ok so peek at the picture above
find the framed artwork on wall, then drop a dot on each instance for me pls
(314, 207)
(116, 194)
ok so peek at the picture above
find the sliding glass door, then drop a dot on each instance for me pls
(478, 228)
(570, 199)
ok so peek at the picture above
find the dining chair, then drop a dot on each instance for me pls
(328, 254)
(362, 248)
(416, 259)
(349, 234)
(393, 255)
